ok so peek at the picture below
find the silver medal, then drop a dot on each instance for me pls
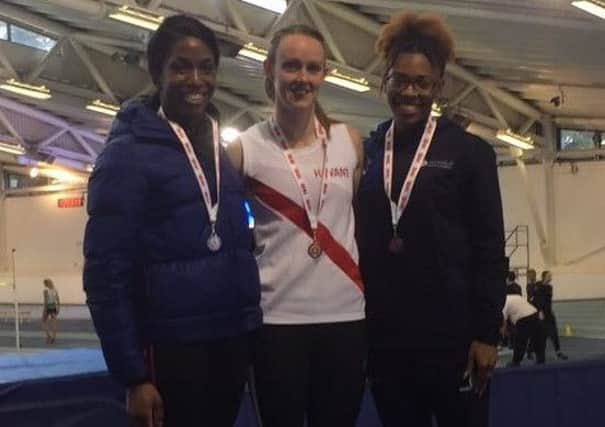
(214, 242)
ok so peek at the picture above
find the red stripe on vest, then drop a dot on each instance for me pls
(297, 215)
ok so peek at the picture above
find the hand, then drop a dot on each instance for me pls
(504, 331)
(481, 361)
(144, 403)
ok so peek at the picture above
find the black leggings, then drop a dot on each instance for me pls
(317, 371)
(528, 330)
(410, 388)
(551, 330)
(202, 384)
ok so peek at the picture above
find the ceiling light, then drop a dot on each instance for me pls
(62, 176)
(103, 107)
(230, 134)
(277, 6)
(339, 79)
(594, 7)
(516, 140)
(253, 52)
(137, 17)
(38, 92)
(33, 172)
(436, 110)
(11, 148)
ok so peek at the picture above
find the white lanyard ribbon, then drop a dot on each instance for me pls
(197, 168)
(298, 176)
(410, 179)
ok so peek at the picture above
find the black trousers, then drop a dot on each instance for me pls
(529, 330)
(549, 324)
(315, 371)
(202, 384)
(410, 388)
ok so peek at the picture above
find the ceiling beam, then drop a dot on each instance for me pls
(85, 145)
(45, 118)
(462, 95)
(4, 121)
(373, 27)
(93, 70)
(6, 64)
(494, 109)
(35, 72)
(513, 13)
(323, 29)
(235, 16)
(51, 138)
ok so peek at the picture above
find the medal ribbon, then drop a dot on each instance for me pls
(197, 168)
(320, 134)
(410, 179)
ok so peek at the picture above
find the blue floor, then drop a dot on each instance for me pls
(49, 364)
(81, 393)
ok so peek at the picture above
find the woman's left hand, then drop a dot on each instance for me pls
(481, 362)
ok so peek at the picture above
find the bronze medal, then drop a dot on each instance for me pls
(396, 244)
(314, 250)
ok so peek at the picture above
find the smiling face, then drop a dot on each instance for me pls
(412, 84)
(297, 71)
(187, 81)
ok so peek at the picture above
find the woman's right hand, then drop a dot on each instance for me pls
(144, 404)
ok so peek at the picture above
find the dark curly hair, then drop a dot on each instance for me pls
(412, 33)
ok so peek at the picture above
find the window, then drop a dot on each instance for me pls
(30, 38)
(572, 139)
(3, 31)
(14, 181)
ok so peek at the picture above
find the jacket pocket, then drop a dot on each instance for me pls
(224, 283)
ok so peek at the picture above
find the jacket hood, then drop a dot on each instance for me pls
(137, 117)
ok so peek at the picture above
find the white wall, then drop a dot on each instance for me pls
(49, 240)
(48, 243)
(579, 224)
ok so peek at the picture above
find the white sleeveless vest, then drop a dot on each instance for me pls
(297, 289)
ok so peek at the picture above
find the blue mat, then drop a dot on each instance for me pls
(50, 364)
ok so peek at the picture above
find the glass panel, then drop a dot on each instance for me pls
(30, 38)
(3, 31)
(571, 139)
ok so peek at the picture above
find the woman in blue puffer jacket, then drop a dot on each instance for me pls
(170, 279)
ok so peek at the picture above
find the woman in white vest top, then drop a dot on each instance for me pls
(302, 169)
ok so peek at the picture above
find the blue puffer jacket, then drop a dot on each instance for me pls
(148, 276)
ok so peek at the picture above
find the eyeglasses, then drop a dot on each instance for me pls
(402, 82)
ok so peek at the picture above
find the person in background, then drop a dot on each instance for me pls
(50, 311)
(531, 284)
(170, 278)
(431, 240)
(542, 300)
(530, 287)
(524, 317)
(512, 287)
(302, 169)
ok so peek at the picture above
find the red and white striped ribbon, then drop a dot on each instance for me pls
(313, 216)
(197, 168)
(410, 179)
